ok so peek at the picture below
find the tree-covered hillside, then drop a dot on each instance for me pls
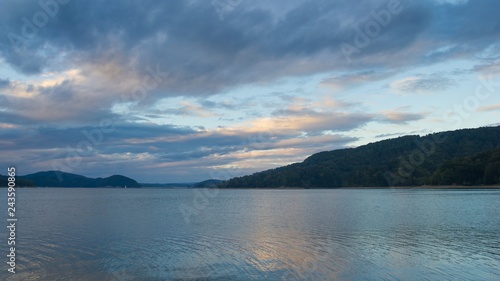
(4, 181)
(480, 169)
(403, 161)
(61, 179)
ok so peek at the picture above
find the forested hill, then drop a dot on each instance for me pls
(439, 159)
(480, 169)
(61, 179)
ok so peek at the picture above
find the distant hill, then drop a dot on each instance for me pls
(19, 182)
(442, 158)
(202, 184)
(207, 183)
(167, 185)
(62, 179)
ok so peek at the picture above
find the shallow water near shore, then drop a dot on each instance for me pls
(186, 234)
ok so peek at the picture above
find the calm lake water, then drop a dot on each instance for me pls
(142, 234)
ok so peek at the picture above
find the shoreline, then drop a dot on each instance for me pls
(429, 187)
(376, 187)
(288, 188)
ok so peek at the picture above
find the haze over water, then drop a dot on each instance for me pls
(383, 234)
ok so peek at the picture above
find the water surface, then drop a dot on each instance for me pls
(344, 234)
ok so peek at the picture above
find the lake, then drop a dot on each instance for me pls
(185, 234)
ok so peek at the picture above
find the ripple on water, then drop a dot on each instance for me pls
(283, 242)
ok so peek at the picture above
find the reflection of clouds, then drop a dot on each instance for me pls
(280, 248)
(260, 235)
(367, 234)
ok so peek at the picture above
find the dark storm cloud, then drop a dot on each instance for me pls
(107, 139)
(129, 137)
(205, 54)
(163, 140)
(13, 118)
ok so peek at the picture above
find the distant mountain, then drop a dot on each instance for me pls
(62, 179)
(167, 185)
(202, 184)
(207, 183)
(442, 158)
(117, 181)
(4, 181)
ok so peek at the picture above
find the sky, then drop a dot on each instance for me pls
(183, 91)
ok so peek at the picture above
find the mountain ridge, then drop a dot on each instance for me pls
(404, 161)
(63, 179)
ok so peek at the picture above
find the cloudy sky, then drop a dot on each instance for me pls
(181, 91)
